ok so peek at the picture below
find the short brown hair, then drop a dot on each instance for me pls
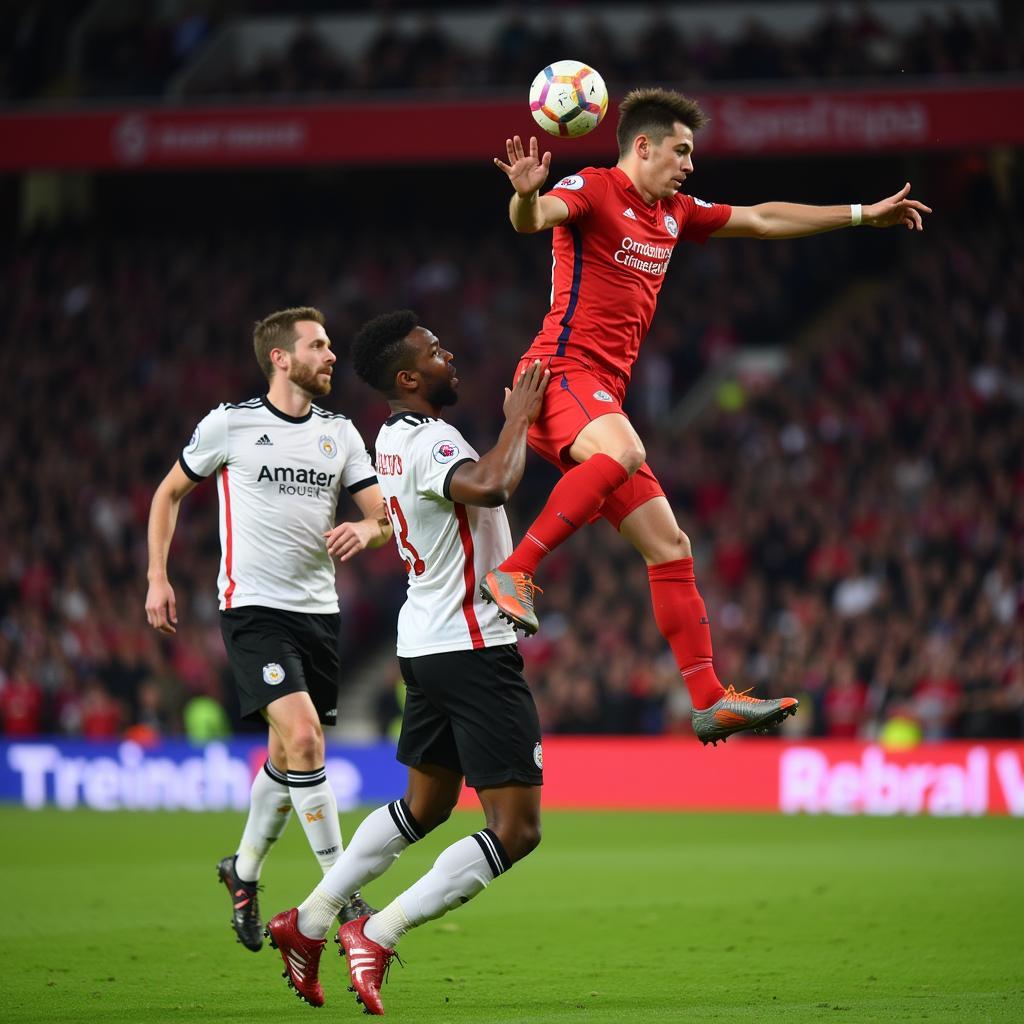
(278, 331)
(655, 113)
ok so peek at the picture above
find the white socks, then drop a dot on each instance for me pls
(458, 874)
(270, 807)
(317, 808)
(373, 848)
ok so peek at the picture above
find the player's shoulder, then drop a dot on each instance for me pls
(586, 177)
(409, 423)
(688, 203)
(419, 432)
(411, 419)
(326, 414)
(230, 412)
(248, 405)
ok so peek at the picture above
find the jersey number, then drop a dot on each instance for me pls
(414, 563)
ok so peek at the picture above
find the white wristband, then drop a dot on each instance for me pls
(856, 214)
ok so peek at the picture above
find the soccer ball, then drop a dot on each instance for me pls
(568, 98)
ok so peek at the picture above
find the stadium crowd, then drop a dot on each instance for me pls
(834, 48)
(143, 48)
(858, 522)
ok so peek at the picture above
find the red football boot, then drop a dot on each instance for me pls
(368, 963)
(301, 956)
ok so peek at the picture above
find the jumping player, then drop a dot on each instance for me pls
(281, 463)
(615, 229)
(468, 712)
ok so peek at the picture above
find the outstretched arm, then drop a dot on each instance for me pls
(795, 220)
(161, 607)
(491, 481)
(529, 211)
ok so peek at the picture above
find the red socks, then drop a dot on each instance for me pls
(575, 498)
(683, 621)
(678, 607)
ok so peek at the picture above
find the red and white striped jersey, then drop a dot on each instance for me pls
(447, 547)
(278, 481)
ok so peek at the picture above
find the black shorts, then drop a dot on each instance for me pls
(274, 652)
(472, 712)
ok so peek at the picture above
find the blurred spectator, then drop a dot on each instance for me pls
(844, 703)
(102, 717)
(205, 718)
(21, 703)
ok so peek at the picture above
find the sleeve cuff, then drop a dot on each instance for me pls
(446, 489)
(188, 471)
(361, 485)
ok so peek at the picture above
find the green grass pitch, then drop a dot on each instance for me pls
(616, 918)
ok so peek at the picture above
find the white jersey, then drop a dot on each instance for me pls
(447, 547)
(278, 480)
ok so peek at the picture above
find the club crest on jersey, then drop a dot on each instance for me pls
(670, 225)
(573, 182)
(273, 674)
(445, 451)
(603, 396)
(328, 446)
(538, 755)
(193, 441)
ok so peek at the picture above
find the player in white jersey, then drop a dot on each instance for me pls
(468, 711)
(280, 463)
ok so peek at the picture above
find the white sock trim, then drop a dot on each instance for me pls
(387, 926)
(317, 913)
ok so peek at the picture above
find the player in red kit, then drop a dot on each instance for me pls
(615, 229)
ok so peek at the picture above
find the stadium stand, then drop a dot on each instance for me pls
(147, 50)
(896, 583)
(857, 515)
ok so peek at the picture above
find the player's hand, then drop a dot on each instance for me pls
(526, 398)
(527, 172)
(161, 607)
(895, 210)
(348, 539)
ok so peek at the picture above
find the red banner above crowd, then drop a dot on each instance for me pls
(780, 122)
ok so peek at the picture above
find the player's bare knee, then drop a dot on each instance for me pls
(519, 838)
(529, 839)
(631, 458)
(682, 543)
(666, 546)
(305, 746)
(429, 813)
(431, 817)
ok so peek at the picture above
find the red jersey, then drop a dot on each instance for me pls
(608, 261)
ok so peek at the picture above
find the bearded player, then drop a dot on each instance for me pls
(281, 463)
(615, 229)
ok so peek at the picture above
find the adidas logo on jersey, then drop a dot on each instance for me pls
(628, 212)
(264, 440)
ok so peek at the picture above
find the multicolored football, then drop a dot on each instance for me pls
(568, 98)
